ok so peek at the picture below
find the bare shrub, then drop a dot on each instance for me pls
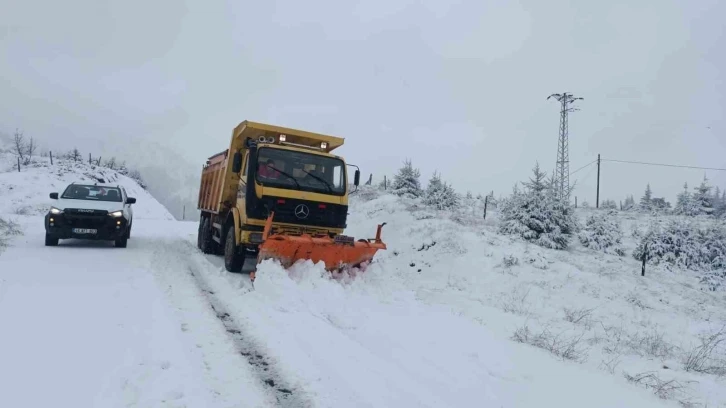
(651, 344)
(516, 302)
(566, 348)
(710, 356)
(610, 364)
(8, 229)
(663, 389)
(510, 260)
(578, 316)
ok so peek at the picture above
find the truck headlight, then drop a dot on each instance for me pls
(117, 214)
(55, 211)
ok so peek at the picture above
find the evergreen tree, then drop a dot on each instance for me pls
(469, 196)
(539, 183)
(683, 201)
(645, 201)
(537, 215)
(406, 182)
(702, 199)
(440, 195)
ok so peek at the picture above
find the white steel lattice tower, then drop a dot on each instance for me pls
(562, 170)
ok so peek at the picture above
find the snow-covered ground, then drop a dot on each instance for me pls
(446, 317)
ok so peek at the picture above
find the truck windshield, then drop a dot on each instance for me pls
(92, 193)
(300, 171)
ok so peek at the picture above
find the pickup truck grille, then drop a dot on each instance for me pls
(79, 218)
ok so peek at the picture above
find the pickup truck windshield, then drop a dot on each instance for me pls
(300, 171)
(92, 193)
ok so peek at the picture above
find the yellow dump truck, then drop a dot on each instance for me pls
(279, 193)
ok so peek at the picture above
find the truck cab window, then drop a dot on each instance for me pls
(302, 171)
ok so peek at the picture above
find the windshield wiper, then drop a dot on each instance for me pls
(330, 188)
(286, 174)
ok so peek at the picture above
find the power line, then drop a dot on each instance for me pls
(588, 164)
(664, 165)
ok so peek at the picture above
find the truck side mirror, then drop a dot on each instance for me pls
(356, 179)
(237, 162)
(54, 196)
(131, 200)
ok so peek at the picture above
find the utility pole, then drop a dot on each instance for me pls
(597, 197)
(562, 170)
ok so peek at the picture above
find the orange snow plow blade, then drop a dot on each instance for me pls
(337, 253)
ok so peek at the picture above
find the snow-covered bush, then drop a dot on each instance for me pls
(406, 182)
(440, 194)
(602, 233)
(537, 215)
(682, 244)
(7, 229)
(609, 205)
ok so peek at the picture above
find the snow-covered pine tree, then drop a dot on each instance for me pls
(537, 215)
(645, 201)
(406, 182)
(702, 199)
(602, 233)
(439, 194)
(683, 202)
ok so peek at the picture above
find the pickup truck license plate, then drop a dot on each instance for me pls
(84, 231)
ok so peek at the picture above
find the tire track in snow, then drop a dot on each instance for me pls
(260, 363)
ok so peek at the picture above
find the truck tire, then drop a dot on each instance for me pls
(233, 259)
(199, 233)
(207, 241)
(51, 240)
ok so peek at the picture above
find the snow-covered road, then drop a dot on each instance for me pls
(160, 324)
(89, 325)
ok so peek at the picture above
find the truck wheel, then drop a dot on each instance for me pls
(233, 259)
(199, 233)
(51, 240)
(207, 241)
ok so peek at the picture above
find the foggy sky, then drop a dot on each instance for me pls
(458, 87)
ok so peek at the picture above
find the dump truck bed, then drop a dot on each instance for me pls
(210, 189)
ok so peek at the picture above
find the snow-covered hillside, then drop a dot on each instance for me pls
(580, 305)
(26, 192)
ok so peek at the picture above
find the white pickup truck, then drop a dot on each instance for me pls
(90, 211)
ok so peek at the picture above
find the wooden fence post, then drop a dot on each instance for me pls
(51, 158)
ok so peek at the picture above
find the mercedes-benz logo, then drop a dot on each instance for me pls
(302, 211)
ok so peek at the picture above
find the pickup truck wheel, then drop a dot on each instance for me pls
(51, 240)
(233, 259)
(121, 243)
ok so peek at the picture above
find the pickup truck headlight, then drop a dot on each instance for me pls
(55, 211)
(117, 214)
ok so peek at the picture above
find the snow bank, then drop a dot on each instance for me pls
(621, 323)
(26, 192)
